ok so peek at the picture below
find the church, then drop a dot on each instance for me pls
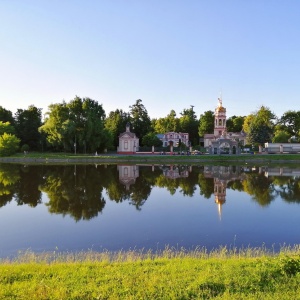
(221, 141)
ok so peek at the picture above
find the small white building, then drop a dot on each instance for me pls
(128, 142)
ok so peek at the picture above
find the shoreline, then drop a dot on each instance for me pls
(50, 158)
(42, 158)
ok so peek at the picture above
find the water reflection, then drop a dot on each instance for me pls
(81, 191)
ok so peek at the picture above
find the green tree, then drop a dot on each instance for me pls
(206, 123)
(262, 127)
(9, 144)
(188, 123)
(291, 122)
(247, 123)
(77, 125)
(115, 123)
(139, 119)
(235, 124)
(5, 127)
(27, 125)
(55, 126)
(150, 139)
(6, 116)
(168, 124)
(281, 136)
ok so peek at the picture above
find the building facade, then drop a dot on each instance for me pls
(175, 138)
(222, 141)
(128, 142)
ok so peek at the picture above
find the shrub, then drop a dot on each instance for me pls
(9, 144)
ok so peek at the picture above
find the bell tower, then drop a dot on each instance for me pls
(220, 119)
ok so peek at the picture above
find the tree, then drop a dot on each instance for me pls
(262, 126)
(291, 122)
(206, 123)
(77, 125)
(5, 127)
(188, 123)
(168, 124)
(9, 144)
(150, 139)
(115, 123)
(55, 126)
(27, 123)
(235, 124)
(6, 116)
(247, 123)
(281, 137)
(259, 134)
(139, 119)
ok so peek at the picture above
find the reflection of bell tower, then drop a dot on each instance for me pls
(220, 119)
(220, 193)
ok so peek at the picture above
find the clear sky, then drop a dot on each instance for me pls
(169, 53)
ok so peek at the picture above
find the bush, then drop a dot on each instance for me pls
(9, 144)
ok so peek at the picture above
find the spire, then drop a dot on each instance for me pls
(220, 100)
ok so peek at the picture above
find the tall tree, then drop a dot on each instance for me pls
(235, 124)
(168, 124)
(6, 116)
(206, 123)
(115, 123)
(262, 126)
(291, 121)
(27, 123)
(188, 123)
(139, 118)
(77, 125)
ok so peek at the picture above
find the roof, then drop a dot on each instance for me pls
(128, 134)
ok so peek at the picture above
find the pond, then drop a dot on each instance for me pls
(120, 207)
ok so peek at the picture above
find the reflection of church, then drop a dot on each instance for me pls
(128, 174)
(221, 141)
(222, 175)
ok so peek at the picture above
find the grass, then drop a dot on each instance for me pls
(252, 273)
(45, 157)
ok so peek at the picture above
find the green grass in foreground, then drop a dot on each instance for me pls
(171, 274)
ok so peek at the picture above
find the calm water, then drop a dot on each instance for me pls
(80, 207)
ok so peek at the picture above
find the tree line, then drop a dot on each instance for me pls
(82, 126)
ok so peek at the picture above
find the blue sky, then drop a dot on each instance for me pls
(169, 53)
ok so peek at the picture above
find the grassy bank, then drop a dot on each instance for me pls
(44, 157)
(171, 274)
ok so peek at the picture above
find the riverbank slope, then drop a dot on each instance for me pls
(223, 274)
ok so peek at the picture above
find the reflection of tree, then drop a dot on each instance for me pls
(170, 184)
(206, 185)
(235, 185)
(9, 176)
(74, 190)
(141, 190)
(290, 189)
(260, 188)
(188, 185)
(28, 188)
